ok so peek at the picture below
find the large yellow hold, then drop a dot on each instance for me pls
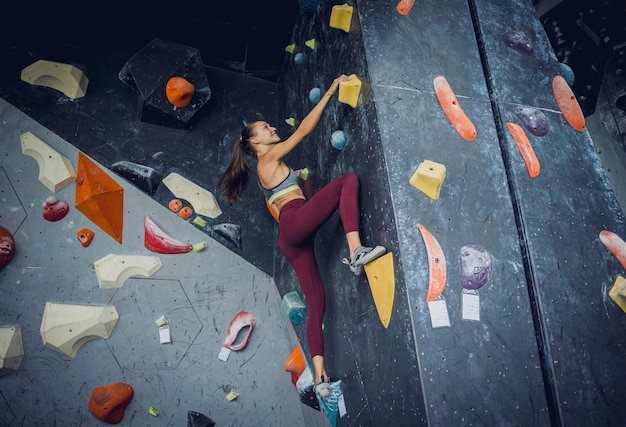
(381, 277)
(429, 178)
(618, 292)
(341, 17)
(350, 90)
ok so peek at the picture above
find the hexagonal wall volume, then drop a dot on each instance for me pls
(142, 302)
(11, 350)
(147, 74)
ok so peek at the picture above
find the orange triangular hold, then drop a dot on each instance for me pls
(99, 197)
(295, 362)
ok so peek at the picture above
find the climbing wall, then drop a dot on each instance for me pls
(536, 343)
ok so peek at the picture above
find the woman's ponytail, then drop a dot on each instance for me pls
(234, 181)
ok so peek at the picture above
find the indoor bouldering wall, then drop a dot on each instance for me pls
(538, 343)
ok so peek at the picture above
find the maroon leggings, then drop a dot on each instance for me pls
(299, 220)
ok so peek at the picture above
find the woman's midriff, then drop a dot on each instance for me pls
(284, 199)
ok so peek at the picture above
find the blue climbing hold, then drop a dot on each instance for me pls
(338, 139)
(567, 73)
(298, 58)
(315, 95)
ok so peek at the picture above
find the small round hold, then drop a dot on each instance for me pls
(185, 212)
(315, 95)
(175, 205)
(338, 139)
(298, 58)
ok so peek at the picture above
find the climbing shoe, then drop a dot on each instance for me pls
(322, 389)
(363, 255)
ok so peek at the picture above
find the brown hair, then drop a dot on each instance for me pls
(234, 181)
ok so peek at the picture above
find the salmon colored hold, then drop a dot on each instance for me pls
(450, 105)
(185, 212)
(615, 245)
(85, 236)
(525, 149)
(7, 247)
(108, 403)
(405, 6)
(568, 103)
(175, 205)
(437, 265)
(295, 362)
(179, 91)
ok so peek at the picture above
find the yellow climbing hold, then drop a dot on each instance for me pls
(290, 48)
(291, 121)
(381, 277)
(311, 44)
(618, 292)
(429, 178)
(341, 17)
(350, 90)
(232, 395)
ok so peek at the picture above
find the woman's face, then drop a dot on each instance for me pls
(264, 134)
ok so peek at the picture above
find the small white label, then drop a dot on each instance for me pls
(342, 406)
(164, 334)
(439, 313)
(471, 306)
(224, 353)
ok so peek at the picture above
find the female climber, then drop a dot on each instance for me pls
(299, 218)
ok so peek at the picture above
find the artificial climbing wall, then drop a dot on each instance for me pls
(540, 343)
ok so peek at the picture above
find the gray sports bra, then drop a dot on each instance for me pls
(290, 183)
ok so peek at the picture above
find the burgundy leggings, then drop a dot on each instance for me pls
(299, 220)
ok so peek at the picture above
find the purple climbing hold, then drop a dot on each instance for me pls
(475, 266)
(518, 41)
(534, 119)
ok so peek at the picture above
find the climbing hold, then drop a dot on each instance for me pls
(291, 121)
(381, 277)
(311, 44)
(65, 78)
(202, 201)
(295, 362)
(567, 73)
(290, 48)
(242, 320)
(308, 6)
(196, 419)
(156, 240)
(185, 212)
(179, 91)
(7, 247)
(200, 222)
(315, 95)
(437, 264)
(54, 209)
(475, 266)
(534, 119)
(113, 270)
(525, 149)
(615, 245)
(175, 205)
(154, 411)
(99, 197)
(85, 236)
(451, 107)
(231, 232)
(618, 292)
(304, 174)
(298, 58)
(405, 6)
(518, 41)
(108, 403)
(341, 17)
(55, 170)
(11, 350)
(568, 103)
(428, 178)
(232, 395)
(338, 139)
(350, 90)
(294, 307)
(143, 177)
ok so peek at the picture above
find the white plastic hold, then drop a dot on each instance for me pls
(113, 270)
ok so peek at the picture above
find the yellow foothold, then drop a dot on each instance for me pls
(291, 121)
(290, 48)
(350, 90)
(200, 222)
(341, 17)
(618, 292)
(198, 247)
(382, 280)
(429, 178)
(304, 174)
(232, 395)
(311, 44)
(154, 411)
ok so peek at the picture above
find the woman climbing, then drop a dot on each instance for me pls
(299, 218)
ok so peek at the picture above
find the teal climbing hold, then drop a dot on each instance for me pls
(315, 95)
(338, 139)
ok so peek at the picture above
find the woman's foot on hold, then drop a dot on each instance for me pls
(363, 255)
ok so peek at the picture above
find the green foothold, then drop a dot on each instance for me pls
(290, 48)
(154, 411)
(232, 395)
(291, 121)
(200, 222)
(200, 246)
(304, 174)
(312, 44)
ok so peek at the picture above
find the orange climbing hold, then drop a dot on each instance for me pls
(462, 124)
(85, 236)
(295, 362)
(179, 91)
(99, 197)
(615, 245)
(175, 205)
(108, 403)
(405, 6)
(568, 103)
(525, 149)
(185, 212)
(436, 263)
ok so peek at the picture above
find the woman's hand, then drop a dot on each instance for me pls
(335, 85)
